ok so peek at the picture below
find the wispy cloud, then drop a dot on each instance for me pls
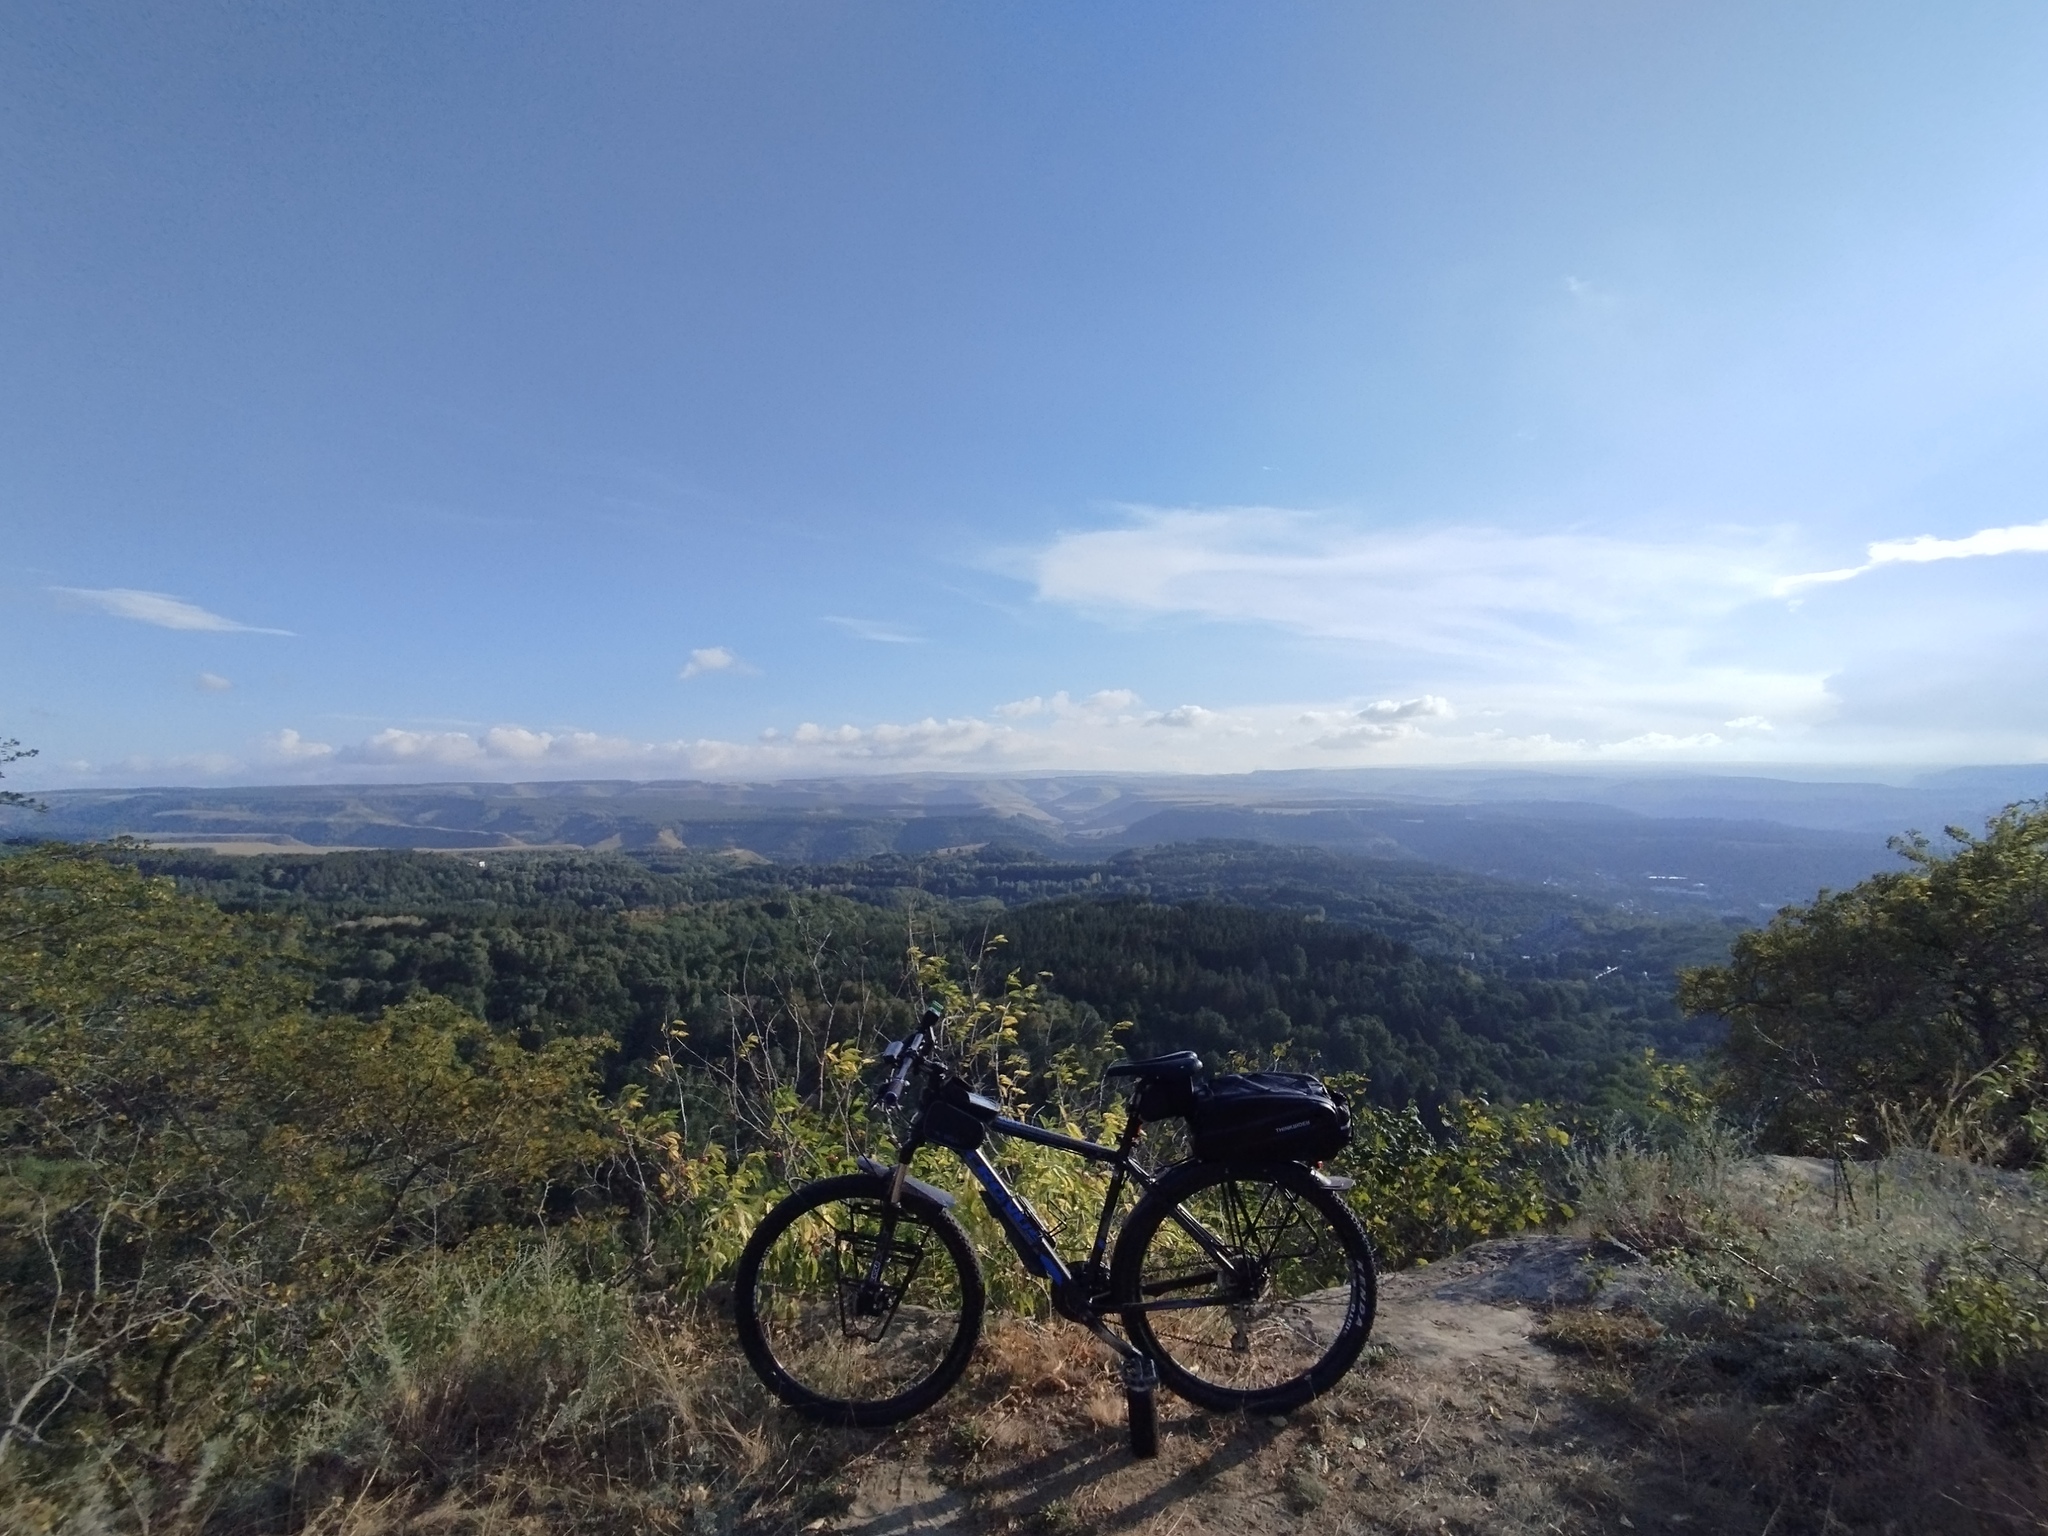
(1469, 592)
(881, 634)
(2022, 539)
(160, 609)
(1554, 643)
(212, 682)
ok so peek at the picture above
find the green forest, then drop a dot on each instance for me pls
(1428, 983)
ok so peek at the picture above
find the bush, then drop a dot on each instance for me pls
(1494, 1171)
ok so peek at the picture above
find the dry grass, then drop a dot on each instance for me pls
(1833, 1349)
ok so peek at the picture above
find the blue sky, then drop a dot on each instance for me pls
(499, 391)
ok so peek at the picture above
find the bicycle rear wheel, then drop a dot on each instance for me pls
(1250, 1285)
(854, 1314)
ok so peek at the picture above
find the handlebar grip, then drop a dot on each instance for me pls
(892, 1096)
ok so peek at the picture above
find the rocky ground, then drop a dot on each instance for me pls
(1479, 1408)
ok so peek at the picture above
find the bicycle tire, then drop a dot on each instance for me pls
(793, 1326)
(1297, 1301)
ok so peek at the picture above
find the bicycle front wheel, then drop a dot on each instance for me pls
(855, 1314)
(1251, 1286)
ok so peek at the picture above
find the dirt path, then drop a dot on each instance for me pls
(1458, 1420)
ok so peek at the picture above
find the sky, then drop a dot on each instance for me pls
(410, 392)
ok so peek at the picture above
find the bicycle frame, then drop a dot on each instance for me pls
(1083, 1297)
(1026, 1235)
(1034, 1245)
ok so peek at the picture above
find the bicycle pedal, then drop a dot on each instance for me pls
(1139, 1373)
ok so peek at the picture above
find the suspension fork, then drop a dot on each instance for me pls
(892, 1205)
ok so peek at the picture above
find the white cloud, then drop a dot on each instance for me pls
(1110, 729)
(881, 634)
(1380, 721)
(1429, 706)
(2022, 539)
(213, 682)
(1103, 700)
(1651, 743)
(711, 658)
(294, 748)
(160, 609)
(500, 746)
(393, 745)
(1102, 704)
(517, 744)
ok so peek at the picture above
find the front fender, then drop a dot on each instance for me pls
(931, 1192)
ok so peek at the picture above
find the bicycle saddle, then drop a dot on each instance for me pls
(1174, 1064)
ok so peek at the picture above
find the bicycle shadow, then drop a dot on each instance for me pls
(1096, 1472)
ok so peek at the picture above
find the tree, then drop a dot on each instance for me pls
(197, 1174)
(1913, 1005)
(12, 751)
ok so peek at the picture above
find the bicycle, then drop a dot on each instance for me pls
(1244, 1284)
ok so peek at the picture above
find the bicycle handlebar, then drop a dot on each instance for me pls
(908, 1054)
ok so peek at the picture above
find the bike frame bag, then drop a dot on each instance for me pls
(1268, 1117)
(957, 1118)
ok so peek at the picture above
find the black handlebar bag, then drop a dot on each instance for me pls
(1268, 1117)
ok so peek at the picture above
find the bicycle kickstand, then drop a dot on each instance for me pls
(1141, 1396)
(1141, 1386)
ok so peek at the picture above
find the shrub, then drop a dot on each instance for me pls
(1493, 1171)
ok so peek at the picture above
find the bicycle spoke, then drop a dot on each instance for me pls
(1280, 1301)
(857, 1305)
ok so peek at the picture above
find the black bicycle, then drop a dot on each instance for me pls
(1241, 1278)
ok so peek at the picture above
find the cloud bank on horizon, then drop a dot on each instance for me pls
(672, 392)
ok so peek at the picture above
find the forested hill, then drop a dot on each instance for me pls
(1221, 979)
(1434, 908)
(1432, 982)
(1671, 842)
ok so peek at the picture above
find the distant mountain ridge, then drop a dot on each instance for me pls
(1726, 843)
